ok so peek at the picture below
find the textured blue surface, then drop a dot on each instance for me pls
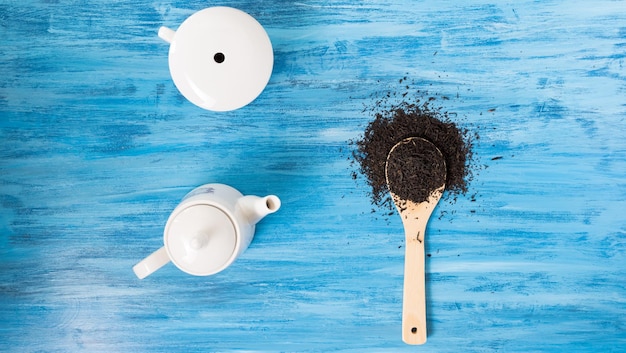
(97, 147)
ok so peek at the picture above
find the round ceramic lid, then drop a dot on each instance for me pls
(200, 240)
(221, 58)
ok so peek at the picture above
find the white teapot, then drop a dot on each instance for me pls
(220, 58)
(208, 230)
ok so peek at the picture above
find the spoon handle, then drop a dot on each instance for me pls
(414, 296)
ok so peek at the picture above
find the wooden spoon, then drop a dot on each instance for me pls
(416, 177)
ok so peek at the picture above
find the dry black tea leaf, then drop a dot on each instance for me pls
(405, 120)
(415, 169)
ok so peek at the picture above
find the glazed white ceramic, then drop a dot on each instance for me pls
(212, 226)
(220, 58)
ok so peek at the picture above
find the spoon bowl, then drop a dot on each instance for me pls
(416, 178)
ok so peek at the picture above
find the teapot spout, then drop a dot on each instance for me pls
(255, 208)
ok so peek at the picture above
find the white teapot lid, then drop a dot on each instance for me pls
(200, 239)
(220, 58)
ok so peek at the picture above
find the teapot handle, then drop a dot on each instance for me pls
(166, 34)
(153, 262)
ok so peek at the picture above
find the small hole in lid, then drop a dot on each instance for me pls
(219, 58)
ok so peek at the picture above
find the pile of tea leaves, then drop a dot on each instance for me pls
(413, 119)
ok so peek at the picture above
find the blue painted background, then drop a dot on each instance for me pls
(97, 147)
